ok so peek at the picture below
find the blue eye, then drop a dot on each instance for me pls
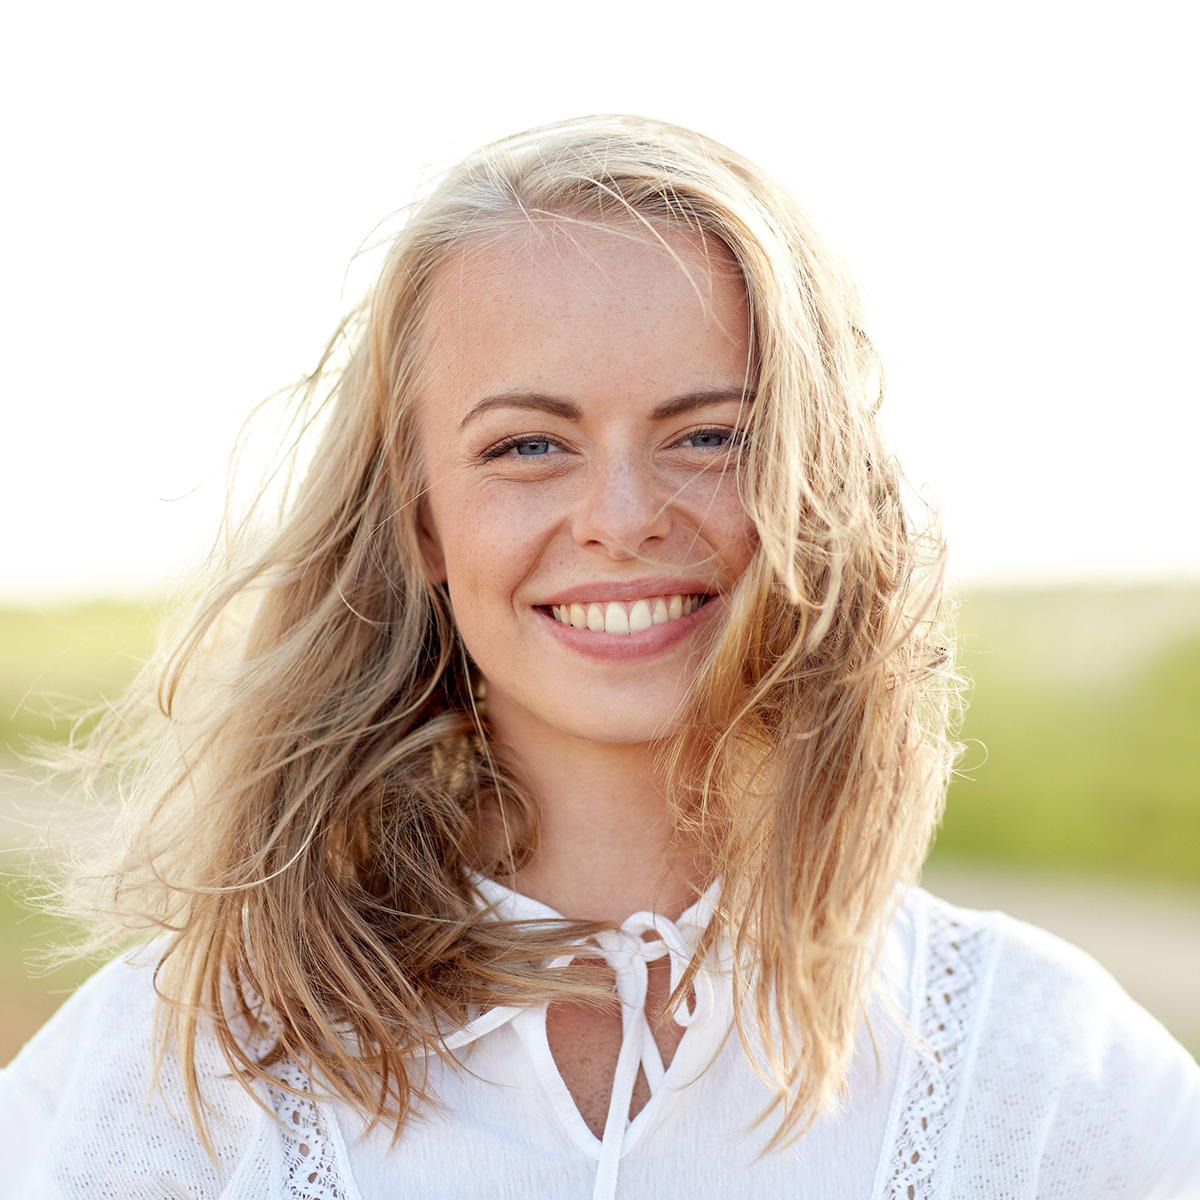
(713, 439)
(523, 447)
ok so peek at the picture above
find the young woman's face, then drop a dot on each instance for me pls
(580, 431)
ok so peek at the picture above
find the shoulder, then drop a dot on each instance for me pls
(111, 1012)
(80, 1114)
(1076, 1087)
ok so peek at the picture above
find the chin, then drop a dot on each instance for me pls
(626, 734)
(628, 728)
(625, 720)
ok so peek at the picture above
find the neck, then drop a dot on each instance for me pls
(605, 844)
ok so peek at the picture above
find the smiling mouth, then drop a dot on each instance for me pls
(635, 616)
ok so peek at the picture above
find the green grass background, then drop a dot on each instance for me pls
(1083, 732)
(54, 665)
(1082, 740)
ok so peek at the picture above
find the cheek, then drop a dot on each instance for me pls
(495, 534)
(487, 553)
(741, 544)
(470, 553)
(724, 523)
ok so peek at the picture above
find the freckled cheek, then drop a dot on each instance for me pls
(738, 545)
(723, 521)
(489, 553)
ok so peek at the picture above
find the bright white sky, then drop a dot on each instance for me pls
(1014, 185)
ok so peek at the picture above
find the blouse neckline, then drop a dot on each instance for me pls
(642, 938)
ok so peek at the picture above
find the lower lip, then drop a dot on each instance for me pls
(629, 647)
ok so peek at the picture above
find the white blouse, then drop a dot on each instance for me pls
(995, 1062)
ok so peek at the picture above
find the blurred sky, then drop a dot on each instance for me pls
(1014, 185)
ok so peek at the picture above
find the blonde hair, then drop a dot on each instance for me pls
(309, 798)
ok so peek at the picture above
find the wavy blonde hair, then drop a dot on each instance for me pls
(308, 797)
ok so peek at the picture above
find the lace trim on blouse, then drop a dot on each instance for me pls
(937, 1064)
(310, 1160)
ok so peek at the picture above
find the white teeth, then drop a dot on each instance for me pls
(639, 617)
(617, 618)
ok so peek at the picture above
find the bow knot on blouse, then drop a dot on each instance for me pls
(628, 951)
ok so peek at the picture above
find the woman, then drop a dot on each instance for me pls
(536, 806)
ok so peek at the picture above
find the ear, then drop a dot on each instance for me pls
(430, 542)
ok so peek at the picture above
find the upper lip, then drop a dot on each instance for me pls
(601, 591)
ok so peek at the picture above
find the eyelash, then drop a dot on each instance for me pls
(525, 439)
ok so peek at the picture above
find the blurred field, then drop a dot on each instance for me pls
(1086, 699)
(1083, 734)
(54, 665)
(55, 662)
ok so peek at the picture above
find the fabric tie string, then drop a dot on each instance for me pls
(628, 952)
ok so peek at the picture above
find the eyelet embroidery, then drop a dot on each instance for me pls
(953, 970)
(309, 1164)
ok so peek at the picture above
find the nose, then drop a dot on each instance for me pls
(621, 508)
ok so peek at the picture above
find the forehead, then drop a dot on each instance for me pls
(562, 255)
(557, 287)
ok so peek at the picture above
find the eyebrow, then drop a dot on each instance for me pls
(568, 410)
